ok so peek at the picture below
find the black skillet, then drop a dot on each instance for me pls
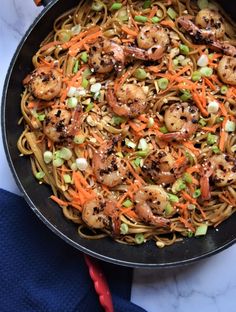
(37, 196)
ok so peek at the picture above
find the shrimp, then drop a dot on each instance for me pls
(221, 169)
(151, 202)
(105, 56)
(56, 124)
(100, 214)
(45, 83)
(204, 36)
(109, 169)
(211, 21)
(152, 42)
(129, 101)
(160, 168)
(227, 70)
(181, 120)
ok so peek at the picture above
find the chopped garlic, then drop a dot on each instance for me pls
(213, 107)
(82, 164)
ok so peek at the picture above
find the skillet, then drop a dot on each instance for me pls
(37, 196)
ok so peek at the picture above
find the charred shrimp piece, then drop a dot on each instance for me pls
(100, 214)
(108, 168)
(150, 204)
(152, 43)
(160, 168)
(129, 101)
(45, 83)
(227, 70)
(105, 56)
(181, 121)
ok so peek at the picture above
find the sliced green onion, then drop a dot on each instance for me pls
(187, 177)
(96, 87)
(72, 102)
(184, 49)
(137, 161)
(178, 186)
(176, 62)
(211, 139)
(73, 167)
(84, 57)
(223, 89)
(171, 13)
(206, 71)
(140, 18)
(47, 157)
(215, 149)
(65, 153)
(87, 72)
(201, 230)
(76, 67)
(143, 153)
(219, 119)
(140, 74)
(89, 107)
(127, 203)
(58, 162)
(122, 15)
(117, 120)
(173, 198)
(39, 175)
(124, 228)
(67, 178)
(186, 95)
(196, 76)
(129, 143)
(116, 6)
(97, 6)
(155, 19)
(202, 4)
(197, 193)
(76, 29)
(41, 117)
(142, 144)
(202, 122)
(163, 83)
(147, 4)
(230, 126)
(160, 244)
(64, 35)
(163, 130)
(191, 207)
(79, 139)
(190, 234)
(139, 238)
(84, 83)
(168, 209)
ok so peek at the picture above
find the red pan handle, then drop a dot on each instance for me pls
(42, 2)
(38, 2)
(100, 284)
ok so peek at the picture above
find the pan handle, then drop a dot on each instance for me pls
(42, 2)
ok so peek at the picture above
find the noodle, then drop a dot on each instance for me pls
(129, 117)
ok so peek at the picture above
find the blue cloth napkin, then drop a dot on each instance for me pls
(41, 273)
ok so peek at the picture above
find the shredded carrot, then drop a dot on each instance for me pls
(179, 162)
(153, 12)
(191, 147)
(199, 104)
(211, 129)
(49, 45)
(223, 135)
(168, 23)
(121, 81)
(137, 128)
(59, 201)
(223, 110)
(192, 169)
(210, 84)
(97, 137)
(74, 49)
(129, 31)
(142, 118)
(186, 224)
(188, 197)
(203, 97)
(136, 176)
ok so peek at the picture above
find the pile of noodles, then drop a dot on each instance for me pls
(189, 213)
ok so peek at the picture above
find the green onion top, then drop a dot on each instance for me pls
(76, 67)
(163, 83)
(147, 4)
(140, 74)
(127, 203)
(124, 228)
(184, 49)
(201, 230)
(140, 18)
(139, 238)
(84, 57)
(197, 193)
(171, 13)
(116, 6)
(39, 175)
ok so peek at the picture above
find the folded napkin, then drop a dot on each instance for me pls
(39, 272)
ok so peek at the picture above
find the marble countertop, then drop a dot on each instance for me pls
(208, 285)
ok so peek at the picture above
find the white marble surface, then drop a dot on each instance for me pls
(209, 285)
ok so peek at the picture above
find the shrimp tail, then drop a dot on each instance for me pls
(112, 101)
(205, 188)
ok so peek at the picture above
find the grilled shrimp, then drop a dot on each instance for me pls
(227, 70)
(100, 214)
(129, 100)
(204, 36)
(151, 202)
(105, 56)
(181, 120)
(211, 21)
(152, 42)
(56, 124)
(45, 83)
(109, 169)
(221, 169)
(160, 168)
